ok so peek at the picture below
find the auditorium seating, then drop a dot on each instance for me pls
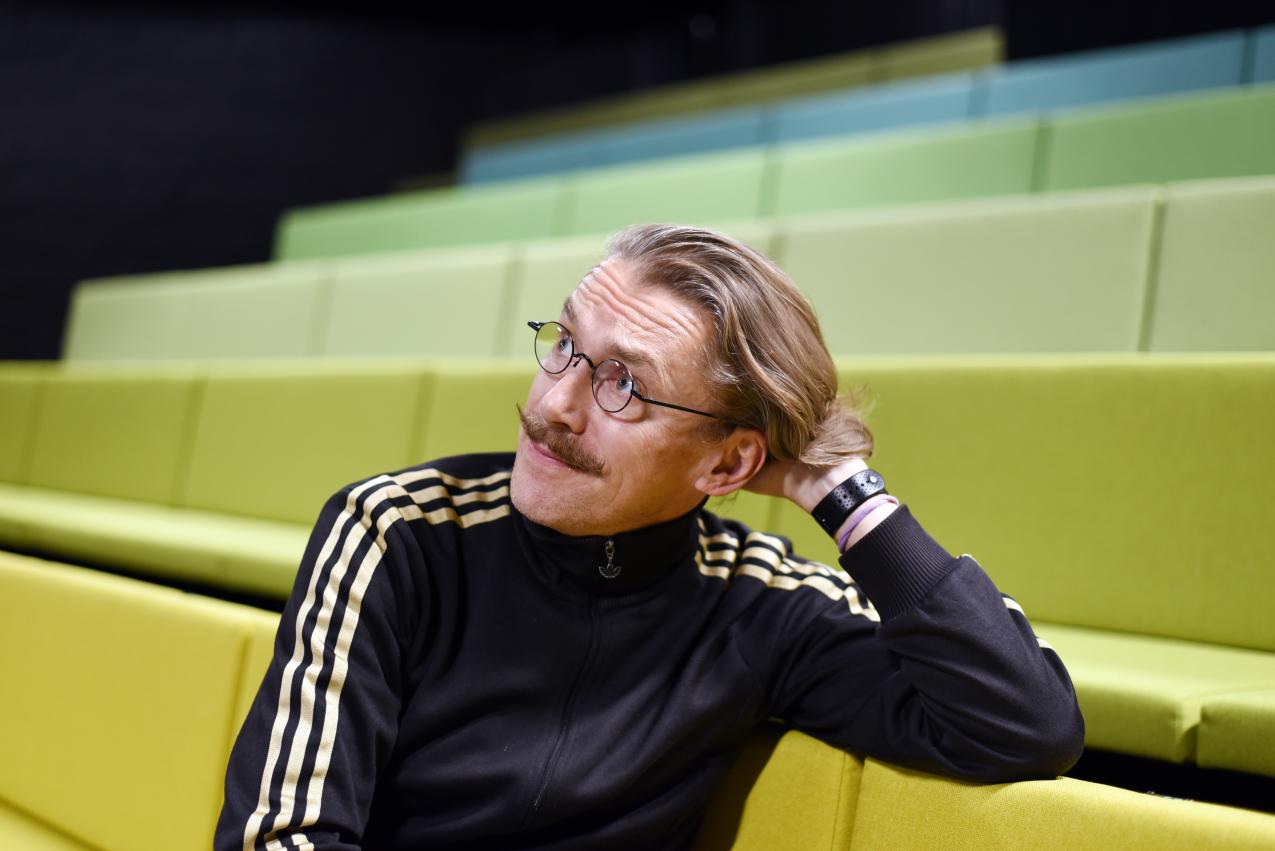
(1059, 473)
(1206, 62)
(1103, 269)
(1218, 133)
(123, 700)
(719, 112)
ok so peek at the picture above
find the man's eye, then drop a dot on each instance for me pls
(564, 344)
(624, 385)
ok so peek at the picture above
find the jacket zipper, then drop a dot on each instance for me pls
(559, 742)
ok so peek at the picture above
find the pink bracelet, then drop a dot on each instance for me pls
(869, 506)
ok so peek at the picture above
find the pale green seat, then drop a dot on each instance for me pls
(964, 161)
(102, 438)
(546, 272)
(21, 388)
(276, 442)
(901, 809)
(115, 433)
(711, 187)
(472, 406)
(1065, 478)
(453, 216)
(1236, 731)
(1223, 134)
(1037, 274)
(441, 302)
(119, 706)
(1215, 290)
(233, 312)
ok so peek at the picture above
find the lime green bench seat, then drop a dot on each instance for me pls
(124, 748)
(122, 700)
(1116, 561)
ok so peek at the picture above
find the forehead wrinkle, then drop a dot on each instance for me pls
(643, 324)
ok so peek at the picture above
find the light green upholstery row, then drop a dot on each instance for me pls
(1220, 133)
(961, 51)
(1182, 267)
(122, 700)
(1117, 497)
(214, 475)
(124, 749)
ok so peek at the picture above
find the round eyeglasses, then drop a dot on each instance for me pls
(613, 385)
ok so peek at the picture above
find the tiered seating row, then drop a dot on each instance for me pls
(959, 51)
(125, 749)
(1216, 134)
(1058, 473)
(1211, 61)
(1184, 267)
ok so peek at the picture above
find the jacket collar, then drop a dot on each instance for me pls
(640, 559)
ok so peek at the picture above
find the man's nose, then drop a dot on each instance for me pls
(568, 400)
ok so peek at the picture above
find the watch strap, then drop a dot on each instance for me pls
(841, 502)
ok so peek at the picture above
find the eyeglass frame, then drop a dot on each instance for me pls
(576, 356)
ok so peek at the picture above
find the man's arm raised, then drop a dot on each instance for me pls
(952, 678)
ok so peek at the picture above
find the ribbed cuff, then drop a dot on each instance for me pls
(897, 563)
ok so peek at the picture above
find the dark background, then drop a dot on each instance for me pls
(138, 137)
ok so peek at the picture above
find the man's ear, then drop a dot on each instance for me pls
(741, 454)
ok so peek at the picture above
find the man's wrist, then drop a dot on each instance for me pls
(807, 490)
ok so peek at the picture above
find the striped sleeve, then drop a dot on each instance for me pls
(323, 722)
(952, 680)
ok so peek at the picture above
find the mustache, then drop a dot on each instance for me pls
(559, 443)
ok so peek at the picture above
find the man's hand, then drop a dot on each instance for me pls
(806, 486)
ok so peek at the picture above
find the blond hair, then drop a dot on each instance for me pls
(769, 368)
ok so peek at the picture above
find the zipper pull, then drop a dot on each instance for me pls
(610, 570)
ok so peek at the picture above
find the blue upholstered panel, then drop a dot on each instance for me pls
(540, 156)
(714, 131)
(1129, 72)
(1263, 47)
(881, 107)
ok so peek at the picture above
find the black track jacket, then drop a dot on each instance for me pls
(449, 674)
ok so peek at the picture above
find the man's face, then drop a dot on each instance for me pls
(634, 467)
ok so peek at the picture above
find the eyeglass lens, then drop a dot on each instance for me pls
(612, 383)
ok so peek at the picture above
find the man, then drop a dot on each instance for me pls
(563, 649)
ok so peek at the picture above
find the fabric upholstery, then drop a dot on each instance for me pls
(966, 161)
(709, 187)
(251, 311)
(1046, 274)
(119, 729)
(116, 433)
(21, 388)
(1215, 290)
(786, 790)
(1236, 731)
(274, 443)
(1134, 71)
(513, 210)
(439, 303)
(900, 809)
(1143, 695)
(1201, 136)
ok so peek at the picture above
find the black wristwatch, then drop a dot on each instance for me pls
(834, 508)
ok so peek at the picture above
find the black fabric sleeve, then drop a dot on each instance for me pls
(324, 721)
(945, 675)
